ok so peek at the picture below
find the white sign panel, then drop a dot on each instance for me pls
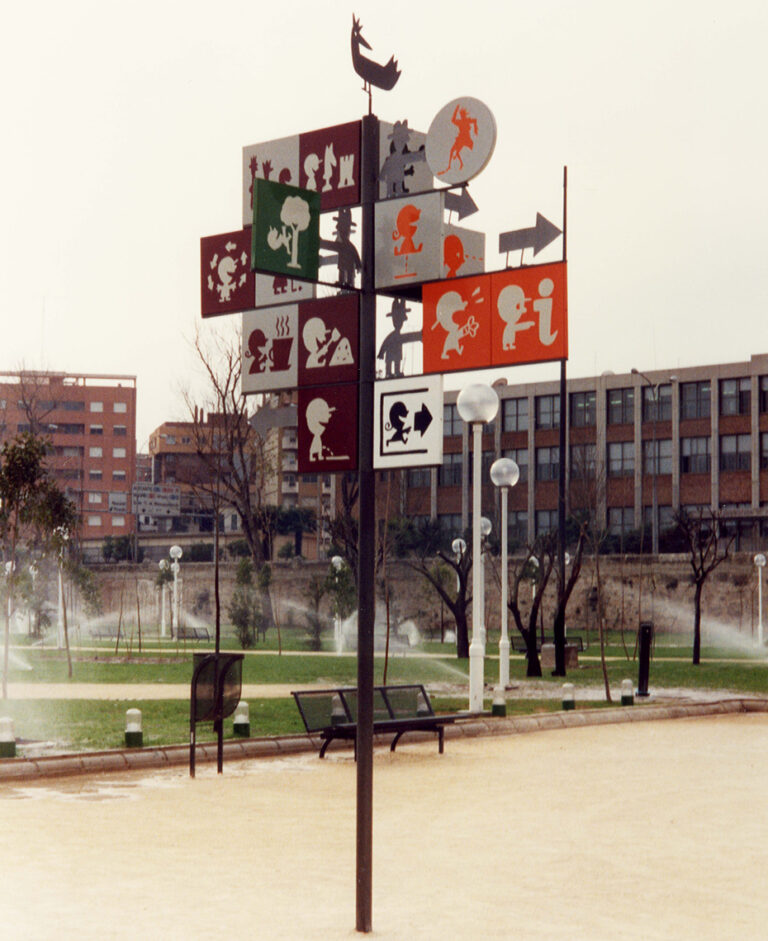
(461, 140)
(409, 240)
(408, 422)
(270, 350)
(118, 501)
(156, 499)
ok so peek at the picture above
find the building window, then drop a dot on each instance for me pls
(621, 406)
(118, 521)
(94, 452)
(658, 406)
(547, 463)
(735, 396)
(517, 527)
(621, 458)
(695, 399)
(419, 477)
(96, 430)
(547, 411)
(94, 475)
(663, 456)
(120, 407)
(735, 452)
(452, 423)
(118, 475)
(694, 455)
(72, 406)
(94, 521)
(764, 451)
(450, 524)
(97, 406)
(514, 415)
(120, 431)
(546, 521)
(583, 409)
(763, 393)
(449, 473)
(621, 520)
(94, 497)
(118, 452)
(583, 461)
(520, 457)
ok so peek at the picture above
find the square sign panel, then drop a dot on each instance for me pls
(226, 280)
(457, 324)
(270, 349)
(329, 164)
(328, 351)
(327, 429)
(408, 422)
(529, 315)
(285, 238)
(274, 290)
(276, 160)
(409, 240)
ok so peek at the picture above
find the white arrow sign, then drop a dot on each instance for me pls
(408, 422)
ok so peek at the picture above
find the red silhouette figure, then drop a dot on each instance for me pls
(465, 124)
(407, 224)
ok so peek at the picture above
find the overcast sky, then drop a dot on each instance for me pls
(123, 127)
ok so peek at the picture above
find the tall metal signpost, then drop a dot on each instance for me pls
(325, 348)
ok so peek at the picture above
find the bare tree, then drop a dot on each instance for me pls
(701, 531)
(534, 568)
(233, 463)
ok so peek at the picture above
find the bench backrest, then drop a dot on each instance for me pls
(323, 708)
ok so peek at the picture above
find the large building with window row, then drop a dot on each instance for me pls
(675, 438)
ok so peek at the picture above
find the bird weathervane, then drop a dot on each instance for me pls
(372, 73)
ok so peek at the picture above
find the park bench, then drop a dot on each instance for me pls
(194, 633)
(332, 713)
(518, 644)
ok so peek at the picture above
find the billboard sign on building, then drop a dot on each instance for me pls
(156, 499)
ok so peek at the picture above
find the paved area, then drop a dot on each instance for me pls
(652, 830)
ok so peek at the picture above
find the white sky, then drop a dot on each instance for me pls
(123, 127)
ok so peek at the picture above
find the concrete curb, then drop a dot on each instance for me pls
(13, 770)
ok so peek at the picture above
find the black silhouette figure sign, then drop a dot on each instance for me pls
(391, 349)
(397, 415)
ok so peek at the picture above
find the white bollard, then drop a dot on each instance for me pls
(134, 737)
(499, 707)
(627, 695)
(569, 701)
(7, 738)
(242, 722)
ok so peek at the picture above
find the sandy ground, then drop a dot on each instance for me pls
(639, 830)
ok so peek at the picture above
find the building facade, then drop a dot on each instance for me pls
(663, 439)
(91, 423)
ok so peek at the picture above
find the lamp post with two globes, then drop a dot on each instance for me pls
(505, 474)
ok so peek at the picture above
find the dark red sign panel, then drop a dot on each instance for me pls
(227, 284)
(328, 335)
(327, 429)
(329, 163)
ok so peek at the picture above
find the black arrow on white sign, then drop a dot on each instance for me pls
(537, 237)
(422, 420)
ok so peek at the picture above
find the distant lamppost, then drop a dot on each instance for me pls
(485, 532)
(176, 553)
(505, 474)
(338, 563)
(654, 387)
(759, 561)
(163, 563)
(477, 404)
(63, 535)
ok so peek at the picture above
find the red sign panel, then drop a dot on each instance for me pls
(329, 163)
(328, 348)
(327, 429)
(227, 284)
(506, 318)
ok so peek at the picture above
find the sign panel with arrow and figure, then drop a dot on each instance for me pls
(408, 422)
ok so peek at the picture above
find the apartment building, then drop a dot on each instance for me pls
(663, 439)
(91, 423)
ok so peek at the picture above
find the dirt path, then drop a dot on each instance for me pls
(631, 831)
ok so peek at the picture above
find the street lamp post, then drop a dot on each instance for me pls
(163, 563)
(485, 532)
(504, 473)
(477, 404)
(759, 561)
(337, 562)
(176, 553)
(63, 535)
